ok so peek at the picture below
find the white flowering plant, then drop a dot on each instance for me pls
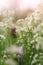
(22, 43)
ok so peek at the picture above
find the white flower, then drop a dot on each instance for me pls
(15, 49)
(2, 36)
(10, 62)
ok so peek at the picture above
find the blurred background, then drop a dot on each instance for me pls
(21, 8)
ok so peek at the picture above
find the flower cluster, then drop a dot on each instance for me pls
(27, 47)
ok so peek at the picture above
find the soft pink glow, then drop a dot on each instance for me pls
(21, 8)
(28, 3)
(20, 4)
(4, 3)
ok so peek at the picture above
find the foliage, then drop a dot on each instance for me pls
(29, 33)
